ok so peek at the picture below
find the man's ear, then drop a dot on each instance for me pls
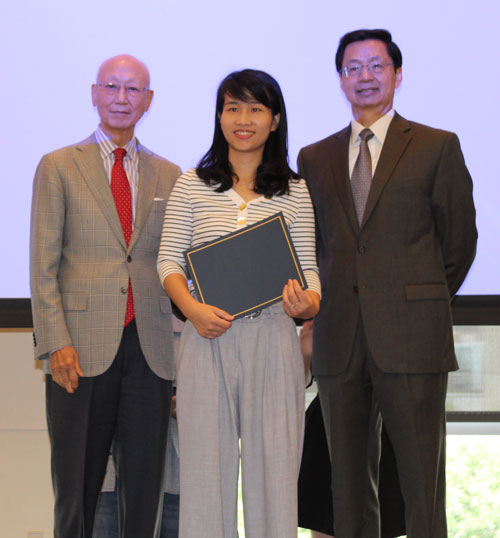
(399, 77)
(149, 98)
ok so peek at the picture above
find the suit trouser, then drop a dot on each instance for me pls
(129, 405)
(247, 384)
(412, 408)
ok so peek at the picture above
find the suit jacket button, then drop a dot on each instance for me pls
(361, 249)
(124, 289)
(355, 289)
(129, 258)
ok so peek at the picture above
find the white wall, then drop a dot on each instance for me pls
(50, 54)
(26, 499)
(51, 51)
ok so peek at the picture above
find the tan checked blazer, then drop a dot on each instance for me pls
(80, 264)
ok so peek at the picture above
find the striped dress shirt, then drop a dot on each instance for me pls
(130, 162)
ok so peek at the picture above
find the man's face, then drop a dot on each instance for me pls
(121, 96)
(367, 90)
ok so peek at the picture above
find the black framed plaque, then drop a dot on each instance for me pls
(245, 270)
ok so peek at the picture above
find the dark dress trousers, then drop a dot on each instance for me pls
(314, 491)
(383, 341)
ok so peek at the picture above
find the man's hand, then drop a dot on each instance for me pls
(306, 346)
(306, 339)
(65, 368)
(173, 408)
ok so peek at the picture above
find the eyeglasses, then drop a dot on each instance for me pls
(112, 89)
(355, 70)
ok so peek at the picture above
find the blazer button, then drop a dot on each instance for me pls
(129, 258)
(355, 289)
(361, 249)
(124, 289)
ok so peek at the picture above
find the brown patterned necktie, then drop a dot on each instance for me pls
(120, 187)
(361, 178)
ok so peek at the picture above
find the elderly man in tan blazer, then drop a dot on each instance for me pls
(396, 237)
(101, 318)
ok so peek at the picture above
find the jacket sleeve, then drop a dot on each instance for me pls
(46, 241)
(454, 213)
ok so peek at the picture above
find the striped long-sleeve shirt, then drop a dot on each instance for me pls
(196, 214)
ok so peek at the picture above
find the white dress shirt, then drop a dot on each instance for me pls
(379, 129)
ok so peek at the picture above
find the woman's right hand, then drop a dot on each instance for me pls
(208, 320)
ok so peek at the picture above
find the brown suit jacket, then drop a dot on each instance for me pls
(80, 264)
(401, 267)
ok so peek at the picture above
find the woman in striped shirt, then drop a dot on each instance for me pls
(240, 380)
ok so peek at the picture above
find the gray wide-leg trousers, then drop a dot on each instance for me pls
(247, 385)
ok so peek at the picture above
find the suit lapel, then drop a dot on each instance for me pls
(88, 160)
(148, 179)
(340, 172)
(398, 137)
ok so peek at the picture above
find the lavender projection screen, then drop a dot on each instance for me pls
(51, 51)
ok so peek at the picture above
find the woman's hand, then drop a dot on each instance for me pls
(299, 303)
(208, 320)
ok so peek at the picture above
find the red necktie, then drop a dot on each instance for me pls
(120, 188)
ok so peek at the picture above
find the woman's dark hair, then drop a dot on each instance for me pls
(274, 172)
(362, 35)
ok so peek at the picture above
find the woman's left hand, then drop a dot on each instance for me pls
(299, 303)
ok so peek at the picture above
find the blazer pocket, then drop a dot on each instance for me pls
(75, 300)
(159, 204)
(419, 292)
(165, 305)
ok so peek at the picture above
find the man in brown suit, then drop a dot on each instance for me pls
(102, 321)
(396, 237)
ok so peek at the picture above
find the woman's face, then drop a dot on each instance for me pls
(246, 125)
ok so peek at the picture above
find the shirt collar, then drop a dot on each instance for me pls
(107, 146)
(379, 128)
